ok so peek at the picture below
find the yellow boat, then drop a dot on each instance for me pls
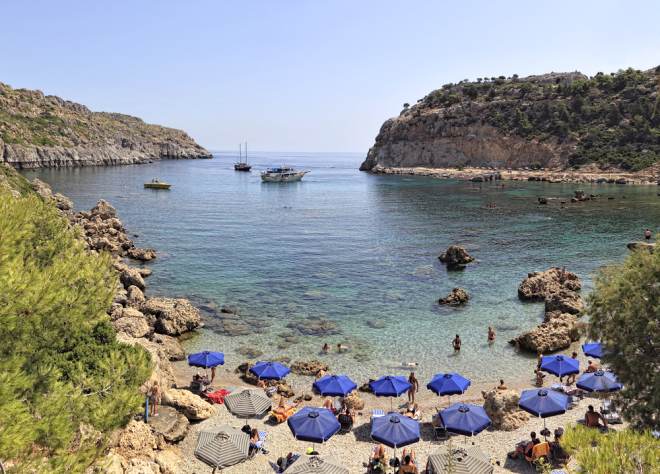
(156, 184)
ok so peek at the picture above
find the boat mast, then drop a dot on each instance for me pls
(246, 152)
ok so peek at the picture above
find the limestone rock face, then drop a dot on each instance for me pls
(136, 440)
(191, 405)
(134, 327)
(169, 346)
(98, 138)
(455, 257)
(564, 301)
(502, 408)
(539, 286)
(311, 367)
(169, 460)
(170, 424)
(131, 277)
(555, 334)
(134, 296)
(141, 466)
(457, 297)
(173, 316)
(145, 255)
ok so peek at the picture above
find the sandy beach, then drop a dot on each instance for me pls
(354, 448)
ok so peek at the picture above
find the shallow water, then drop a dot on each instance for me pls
(350, 248)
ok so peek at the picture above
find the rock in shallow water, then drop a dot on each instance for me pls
(555, 334)
(312, 367)
(539, 286)
(457, 297)
(455, 257)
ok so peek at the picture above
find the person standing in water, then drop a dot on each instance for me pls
(491, 335)
(648, 234)
(414, 387)
(457, 344)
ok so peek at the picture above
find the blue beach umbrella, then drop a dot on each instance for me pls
(465, 419)
(395, 430)
(543, 403)
(390, 386)
(270, 370)
(560, 365)
(599, 381)
(593, 349)
(206, 359)
(334, 385)
(315, 425)
(448, 384)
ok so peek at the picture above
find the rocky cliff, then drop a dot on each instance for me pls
(38, 130)
(557, 121)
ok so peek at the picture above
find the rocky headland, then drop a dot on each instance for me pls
(45, 131)
(551, 127)
(559, 290)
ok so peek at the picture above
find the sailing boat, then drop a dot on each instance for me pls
(241, 165)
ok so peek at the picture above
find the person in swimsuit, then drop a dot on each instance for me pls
(491, 335)
(592, 419)
(414, 387)
(154, 398)
(457, 344)
(326, 348)
(647, 234)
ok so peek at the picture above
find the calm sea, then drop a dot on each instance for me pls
(360, 252)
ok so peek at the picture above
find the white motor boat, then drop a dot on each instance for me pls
(282, 174)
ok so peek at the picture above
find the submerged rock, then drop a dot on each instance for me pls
(250, 352)
(457, 297)
(455, 257)
(312, 367)
(314, 327)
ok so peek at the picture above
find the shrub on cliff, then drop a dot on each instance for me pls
(61, 369)
(625, 315)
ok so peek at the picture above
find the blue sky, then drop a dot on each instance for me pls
(303, 75)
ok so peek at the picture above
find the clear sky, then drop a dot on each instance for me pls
(303, 75)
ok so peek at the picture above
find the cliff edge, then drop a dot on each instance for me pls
(38, 130)
(550, 121)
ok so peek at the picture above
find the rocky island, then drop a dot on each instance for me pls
(41, 131)
(557, 126)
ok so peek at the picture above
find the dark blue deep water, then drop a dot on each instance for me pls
(352, 248)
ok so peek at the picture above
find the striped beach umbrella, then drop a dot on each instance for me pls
(248, 403)
(316, 465)
(468, 460)
(225, 447)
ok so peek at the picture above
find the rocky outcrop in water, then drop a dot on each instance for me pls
(457, 297)
(558, 288)
(44, 131)
(455, 257)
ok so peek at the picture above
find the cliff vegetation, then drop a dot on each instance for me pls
(557, 120)
(65, 381)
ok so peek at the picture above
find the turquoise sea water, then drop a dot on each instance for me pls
(352, 248)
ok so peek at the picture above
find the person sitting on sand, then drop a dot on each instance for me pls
(327, 404)
(378, 460)
(412, 411)
(556, 450)
(571, 378)
(502, 385)
(525, 448)
(491, 335)
(414, 387)
(539, 377)
(592, 419)
(319, 374)
(591, 367)
(256, 443)
(457, 344)
(326, 348)
(408, 462)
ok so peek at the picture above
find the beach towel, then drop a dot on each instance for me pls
(218, 396)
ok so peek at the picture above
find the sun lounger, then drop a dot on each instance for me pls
(377, 413)
(539, 451)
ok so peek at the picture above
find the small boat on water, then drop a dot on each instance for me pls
(157, 184)
(241, 165)
(282, 174)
